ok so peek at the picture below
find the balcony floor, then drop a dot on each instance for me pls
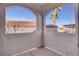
(40, 52)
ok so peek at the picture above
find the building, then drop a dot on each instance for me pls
(51, 28)
(69, 28)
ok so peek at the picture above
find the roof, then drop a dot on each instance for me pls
(51, 26)
(70, 25)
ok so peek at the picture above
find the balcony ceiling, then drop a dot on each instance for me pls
(42, 8)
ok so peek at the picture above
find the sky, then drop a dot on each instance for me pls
(66, 16)
(19, 13)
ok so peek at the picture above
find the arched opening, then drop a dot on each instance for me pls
(19, 19)
(65, 21)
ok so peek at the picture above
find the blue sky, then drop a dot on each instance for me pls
(66, 16)
(19, 13)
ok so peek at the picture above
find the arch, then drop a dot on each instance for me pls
(22, 5)
(68, 20)
(20, 22)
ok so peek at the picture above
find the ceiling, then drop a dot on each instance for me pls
(42, 8)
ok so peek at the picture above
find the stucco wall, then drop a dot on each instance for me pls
(16, 43)
(11, 44)
(1, 30)
(62, 42)
(0, 45)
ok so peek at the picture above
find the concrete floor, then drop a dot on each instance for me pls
(40, 52)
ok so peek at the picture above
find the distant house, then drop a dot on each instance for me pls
(51, 28)
(69, 28)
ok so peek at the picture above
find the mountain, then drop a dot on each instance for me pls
(21, 24)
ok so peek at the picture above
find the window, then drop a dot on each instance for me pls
(19, 20)
(65, 21)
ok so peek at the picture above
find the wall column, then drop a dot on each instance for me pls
(2, 28)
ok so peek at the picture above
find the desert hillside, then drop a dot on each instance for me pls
(21, 24)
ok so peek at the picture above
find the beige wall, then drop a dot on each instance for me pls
(17, 43)
(62, 42)
(14, 43)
